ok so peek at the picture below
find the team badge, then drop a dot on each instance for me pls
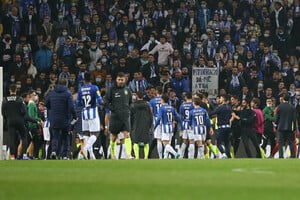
(126, 93)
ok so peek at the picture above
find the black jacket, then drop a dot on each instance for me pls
(141, 121)
(248, 117)
(146, 70)
(13, 110)
(285, 118)
(59, 103)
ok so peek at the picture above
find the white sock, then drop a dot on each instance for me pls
(123, 153)
(46, 150)
(91, 152)
(182, 149)
(166, 152)
(159, 149)
(108, 151)
(200, 151)
(90, 142)
(191, 153)
(170, 149)
(118, 151)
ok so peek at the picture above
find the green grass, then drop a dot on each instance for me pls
(150, 179)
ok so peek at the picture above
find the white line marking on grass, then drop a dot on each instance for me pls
(254, 171)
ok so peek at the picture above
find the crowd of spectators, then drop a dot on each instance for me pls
(253, 43)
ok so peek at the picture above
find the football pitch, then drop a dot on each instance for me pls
(150, 179)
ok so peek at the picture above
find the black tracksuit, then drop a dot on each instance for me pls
(14, 111)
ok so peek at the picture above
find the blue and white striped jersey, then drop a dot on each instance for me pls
(199, 120)
(88, 97)
(167, 115)
(184, 111)
(155, 104)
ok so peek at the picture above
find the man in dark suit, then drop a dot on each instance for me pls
(285, 122)
(151, 71)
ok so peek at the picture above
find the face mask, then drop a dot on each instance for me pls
(98, 67)
(64, 33)
(144, 62)
(186, 47)
(112, 44)
(235, 57)
(229, 19)
(251, 22)
(203, 5)
(12, 80)
(80, 47)
(121, 44)
(173, 26)
(266, 35)
(103, 60)
(77, 23)
(93, 47)
(152, 39)
(285, 68)
(281, 33)
(199, 45)
(39, 92)
(98, 80)
(260, 85)
(269, 105)
(164, 33)
(125, 35)
(60, 17)
(295, 69)
(18, 86)
(138, 23)
(227, 41)
(78, 62)
(186, 30)
(252, 40)
(275, 54)
(102, 46)
(25, 48)
(46, 21)
(242, 43)
(36, 97)
(44, 1)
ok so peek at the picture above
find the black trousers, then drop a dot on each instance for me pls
(286, 136)
(16, 130)
(249, 134)
(270, 137)
(235, 138)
